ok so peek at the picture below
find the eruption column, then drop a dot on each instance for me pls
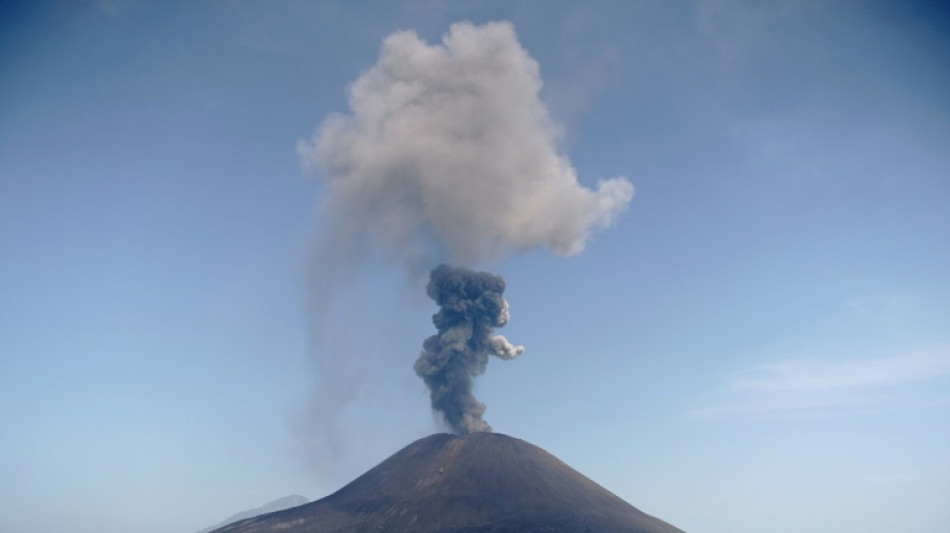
(470, 306)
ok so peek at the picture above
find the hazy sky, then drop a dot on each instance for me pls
(759, 342)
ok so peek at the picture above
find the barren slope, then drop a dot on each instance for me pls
(483, 482)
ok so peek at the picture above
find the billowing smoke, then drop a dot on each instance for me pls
(471, 304)
(450, 155)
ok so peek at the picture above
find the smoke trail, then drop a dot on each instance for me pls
(470, 305)
(450, 155)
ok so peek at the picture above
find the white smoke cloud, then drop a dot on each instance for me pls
(449, 154)
(504, 349)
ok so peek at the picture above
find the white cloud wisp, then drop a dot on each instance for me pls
(816, 389)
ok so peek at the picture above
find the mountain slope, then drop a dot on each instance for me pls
(478, 483)
(277, 505)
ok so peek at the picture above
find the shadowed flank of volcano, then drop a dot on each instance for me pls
(482, 482)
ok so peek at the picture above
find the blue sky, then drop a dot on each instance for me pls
(759, 342)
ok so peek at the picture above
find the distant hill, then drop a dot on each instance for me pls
(478, 483)
(277, 505)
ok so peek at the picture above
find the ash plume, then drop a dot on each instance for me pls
(450, 155)
(471, 305)
(446, 154)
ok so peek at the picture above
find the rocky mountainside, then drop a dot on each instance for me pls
(478, 483)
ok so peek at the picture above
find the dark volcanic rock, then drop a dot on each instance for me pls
(478, 483)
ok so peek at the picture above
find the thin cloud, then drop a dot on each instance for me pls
(820, 389)
(856, 373)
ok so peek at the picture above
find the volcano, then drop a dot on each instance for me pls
(477, 483)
